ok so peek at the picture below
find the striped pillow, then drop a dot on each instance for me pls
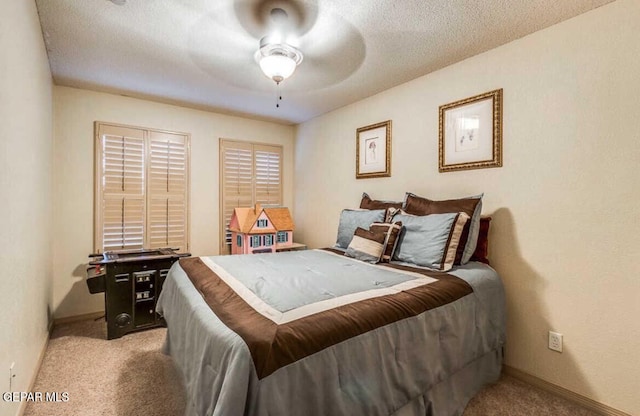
(391, 231)
(367, 245)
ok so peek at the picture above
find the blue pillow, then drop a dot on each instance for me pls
(351, 219)
(430, 240)
(472, 206)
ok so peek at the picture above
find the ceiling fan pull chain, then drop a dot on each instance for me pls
(278, 94)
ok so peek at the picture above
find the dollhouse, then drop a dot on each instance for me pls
(260, 230)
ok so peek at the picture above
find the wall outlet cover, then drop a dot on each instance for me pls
(555, 341)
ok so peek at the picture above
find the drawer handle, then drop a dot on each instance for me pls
(121, 278)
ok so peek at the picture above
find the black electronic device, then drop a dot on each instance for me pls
(131, 281)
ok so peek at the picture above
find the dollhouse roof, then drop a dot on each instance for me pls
(280, 218)
(246, 218)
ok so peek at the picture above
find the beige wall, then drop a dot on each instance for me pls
(75, 111)
(25, 184)
(565, 204)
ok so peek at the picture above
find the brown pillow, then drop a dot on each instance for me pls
(392, 231)
(482, 248)
(368, 203)
(417, 205)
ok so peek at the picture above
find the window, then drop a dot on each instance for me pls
(250, 173)
(283, 236)
(239, 240)
(255, 241)
(268, 240)
(262, 223)
(141, 190)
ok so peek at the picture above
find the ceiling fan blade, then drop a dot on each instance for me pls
(333, 50)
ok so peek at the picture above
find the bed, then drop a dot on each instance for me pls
(403, 317)
(319, 333)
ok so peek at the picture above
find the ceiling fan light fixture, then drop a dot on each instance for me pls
(278, 61)
(277, 67)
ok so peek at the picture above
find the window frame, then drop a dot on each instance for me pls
(282, 237)
(225, 143)
(256, 241)
(98, 237)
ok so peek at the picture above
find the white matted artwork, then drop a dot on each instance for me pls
(373, 150)
(471, 133)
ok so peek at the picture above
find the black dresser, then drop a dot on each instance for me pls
(131, 281)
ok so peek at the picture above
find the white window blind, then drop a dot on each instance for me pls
(250, 173)
(167, 190)
(267, 175)
(141, 192)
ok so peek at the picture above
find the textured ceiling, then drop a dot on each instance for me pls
(199, 53)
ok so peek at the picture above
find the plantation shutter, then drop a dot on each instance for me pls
(121, 202)
(268, 175)
(167, 190)
(141, 190)
(236, 161)
(249, 173)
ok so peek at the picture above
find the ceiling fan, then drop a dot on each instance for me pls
(277, 56)
(277, 35)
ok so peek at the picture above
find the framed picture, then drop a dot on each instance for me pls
(471, 133)
(373, 151)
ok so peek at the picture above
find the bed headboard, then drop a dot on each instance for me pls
(482, 248)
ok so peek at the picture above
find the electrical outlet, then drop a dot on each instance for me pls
(12, 375)
(555, 341)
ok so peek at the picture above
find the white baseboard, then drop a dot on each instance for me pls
(583, 401)
(34, 376)
(59, 321)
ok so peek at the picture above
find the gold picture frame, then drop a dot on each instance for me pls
(470, 133)
(373, 151)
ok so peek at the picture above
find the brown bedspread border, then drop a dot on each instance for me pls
(274, 346)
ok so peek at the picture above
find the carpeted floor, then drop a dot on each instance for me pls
(129, 376)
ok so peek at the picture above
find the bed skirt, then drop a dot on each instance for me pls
(450, 396)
